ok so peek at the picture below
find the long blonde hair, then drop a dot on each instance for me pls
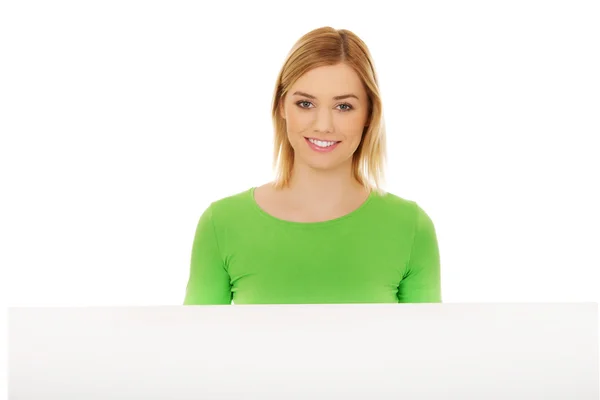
(328, 46)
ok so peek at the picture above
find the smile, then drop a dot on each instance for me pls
(322, 145)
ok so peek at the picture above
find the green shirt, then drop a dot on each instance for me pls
(385, 251)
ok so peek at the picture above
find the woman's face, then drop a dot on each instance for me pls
(326, 111)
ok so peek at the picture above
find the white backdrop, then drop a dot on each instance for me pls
(121, 121)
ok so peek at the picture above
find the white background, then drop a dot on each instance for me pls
(121, 121)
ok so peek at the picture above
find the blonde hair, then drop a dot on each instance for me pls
(328, 46)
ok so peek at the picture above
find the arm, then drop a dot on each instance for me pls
(421, 282)
(208, 281)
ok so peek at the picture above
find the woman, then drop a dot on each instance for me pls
(323, 231)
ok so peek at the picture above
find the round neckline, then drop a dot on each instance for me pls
(342, 218)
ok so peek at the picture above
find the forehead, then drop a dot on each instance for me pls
(329, 81)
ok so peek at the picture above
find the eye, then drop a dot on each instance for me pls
(349, 107)
(302, 102)
(345, 106)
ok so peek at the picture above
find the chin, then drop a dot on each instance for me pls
(322, 165)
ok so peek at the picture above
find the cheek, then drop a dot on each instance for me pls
(298, 122)
(352, 126)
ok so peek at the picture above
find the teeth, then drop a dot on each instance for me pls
(321, 143)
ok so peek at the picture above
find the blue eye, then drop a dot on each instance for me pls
(301, 102)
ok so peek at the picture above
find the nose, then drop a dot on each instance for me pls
(324, 121)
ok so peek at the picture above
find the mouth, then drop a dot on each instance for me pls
(322, 146)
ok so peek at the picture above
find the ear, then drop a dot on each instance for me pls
(281, 107)
(369, 115)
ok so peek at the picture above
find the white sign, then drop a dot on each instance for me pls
(283, 352)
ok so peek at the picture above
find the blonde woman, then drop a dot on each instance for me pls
(323, 231)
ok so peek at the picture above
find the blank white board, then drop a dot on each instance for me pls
(391, 351)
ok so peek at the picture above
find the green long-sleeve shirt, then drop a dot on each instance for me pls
(385, 251)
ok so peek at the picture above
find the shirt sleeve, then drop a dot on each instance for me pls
(421, 282)
(208, 282)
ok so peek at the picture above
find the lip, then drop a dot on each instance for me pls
(322, 149)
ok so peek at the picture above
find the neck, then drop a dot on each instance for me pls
(324, 189)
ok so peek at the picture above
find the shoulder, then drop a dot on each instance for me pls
(231, 207)
(398, 209)
(394, 205)
(231, 202)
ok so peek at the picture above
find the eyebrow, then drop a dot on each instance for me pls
(344, 96)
